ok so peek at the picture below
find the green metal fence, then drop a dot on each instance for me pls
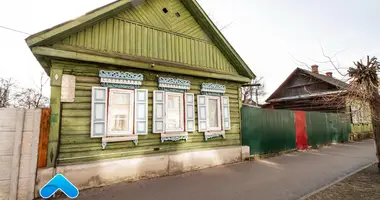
(325, 128)
(268, 131)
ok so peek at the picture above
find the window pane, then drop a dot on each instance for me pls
(213, 112)
(173, 113)
(120, 111)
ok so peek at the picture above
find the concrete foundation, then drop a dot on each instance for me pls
(103, 173)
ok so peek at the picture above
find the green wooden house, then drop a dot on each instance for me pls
(137, 79)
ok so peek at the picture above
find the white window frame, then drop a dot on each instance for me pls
(182, 112)
(219, 110)
(131, 113)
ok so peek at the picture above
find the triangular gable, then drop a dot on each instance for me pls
(223, 54)
(309, 76)
(176, 19)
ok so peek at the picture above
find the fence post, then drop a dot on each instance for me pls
(34, 152)
(20, 116)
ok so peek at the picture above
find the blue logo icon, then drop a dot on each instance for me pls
(59, 182)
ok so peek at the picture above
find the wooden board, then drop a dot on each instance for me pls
(76, 145)
(44, 138)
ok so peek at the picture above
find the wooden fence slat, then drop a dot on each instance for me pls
(44, 137)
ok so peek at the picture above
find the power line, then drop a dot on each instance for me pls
(14, 30)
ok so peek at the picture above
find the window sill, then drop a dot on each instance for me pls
(106, 140)
(174, 136)
(214, 134)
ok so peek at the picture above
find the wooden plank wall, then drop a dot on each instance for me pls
(151, 12)
(77, 146)
(44, 138)
(134, 39)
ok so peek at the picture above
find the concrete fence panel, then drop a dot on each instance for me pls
(19, 134)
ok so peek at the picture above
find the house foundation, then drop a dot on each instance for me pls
(97, 174)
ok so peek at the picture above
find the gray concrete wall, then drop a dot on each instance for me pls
(103, 173)
(19, 136)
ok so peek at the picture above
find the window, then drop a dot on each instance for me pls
(360, 113)
(119, 112)
(213, 113)
(171, 113)
(174, 112)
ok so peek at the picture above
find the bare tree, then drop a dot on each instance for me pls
(7, 87)
(33, 98)
(30, 98)
(252, 93)
(365, 87)
(362, 92)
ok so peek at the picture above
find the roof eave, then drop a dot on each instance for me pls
(73, 25)
(60, 31)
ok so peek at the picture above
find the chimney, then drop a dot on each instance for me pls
(329, 74)
(314, 69)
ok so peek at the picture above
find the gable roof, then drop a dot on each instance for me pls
(60, 31)
(330, 80)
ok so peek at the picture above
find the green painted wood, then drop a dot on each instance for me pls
(151, 12)
(77, 146)
(66, 28)
(55, 106)
(136, 39)
(131, 32)
(116, 59)
(361, 128)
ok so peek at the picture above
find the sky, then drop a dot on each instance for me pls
(271, 36)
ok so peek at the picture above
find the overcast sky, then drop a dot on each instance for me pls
(264, 32)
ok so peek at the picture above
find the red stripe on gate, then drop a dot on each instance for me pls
(301, 132)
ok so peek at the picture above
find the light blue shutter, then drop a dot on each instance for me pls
(141, 112)
(189, 112)
(202, 113)
(158, 111)
(99, 112)
(226, 113)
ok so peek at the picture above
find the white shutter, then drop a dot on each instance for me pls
(141, 112)
(202, 113)
(226, 113)
(99, 112)
(189, 112)
(158, 111)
